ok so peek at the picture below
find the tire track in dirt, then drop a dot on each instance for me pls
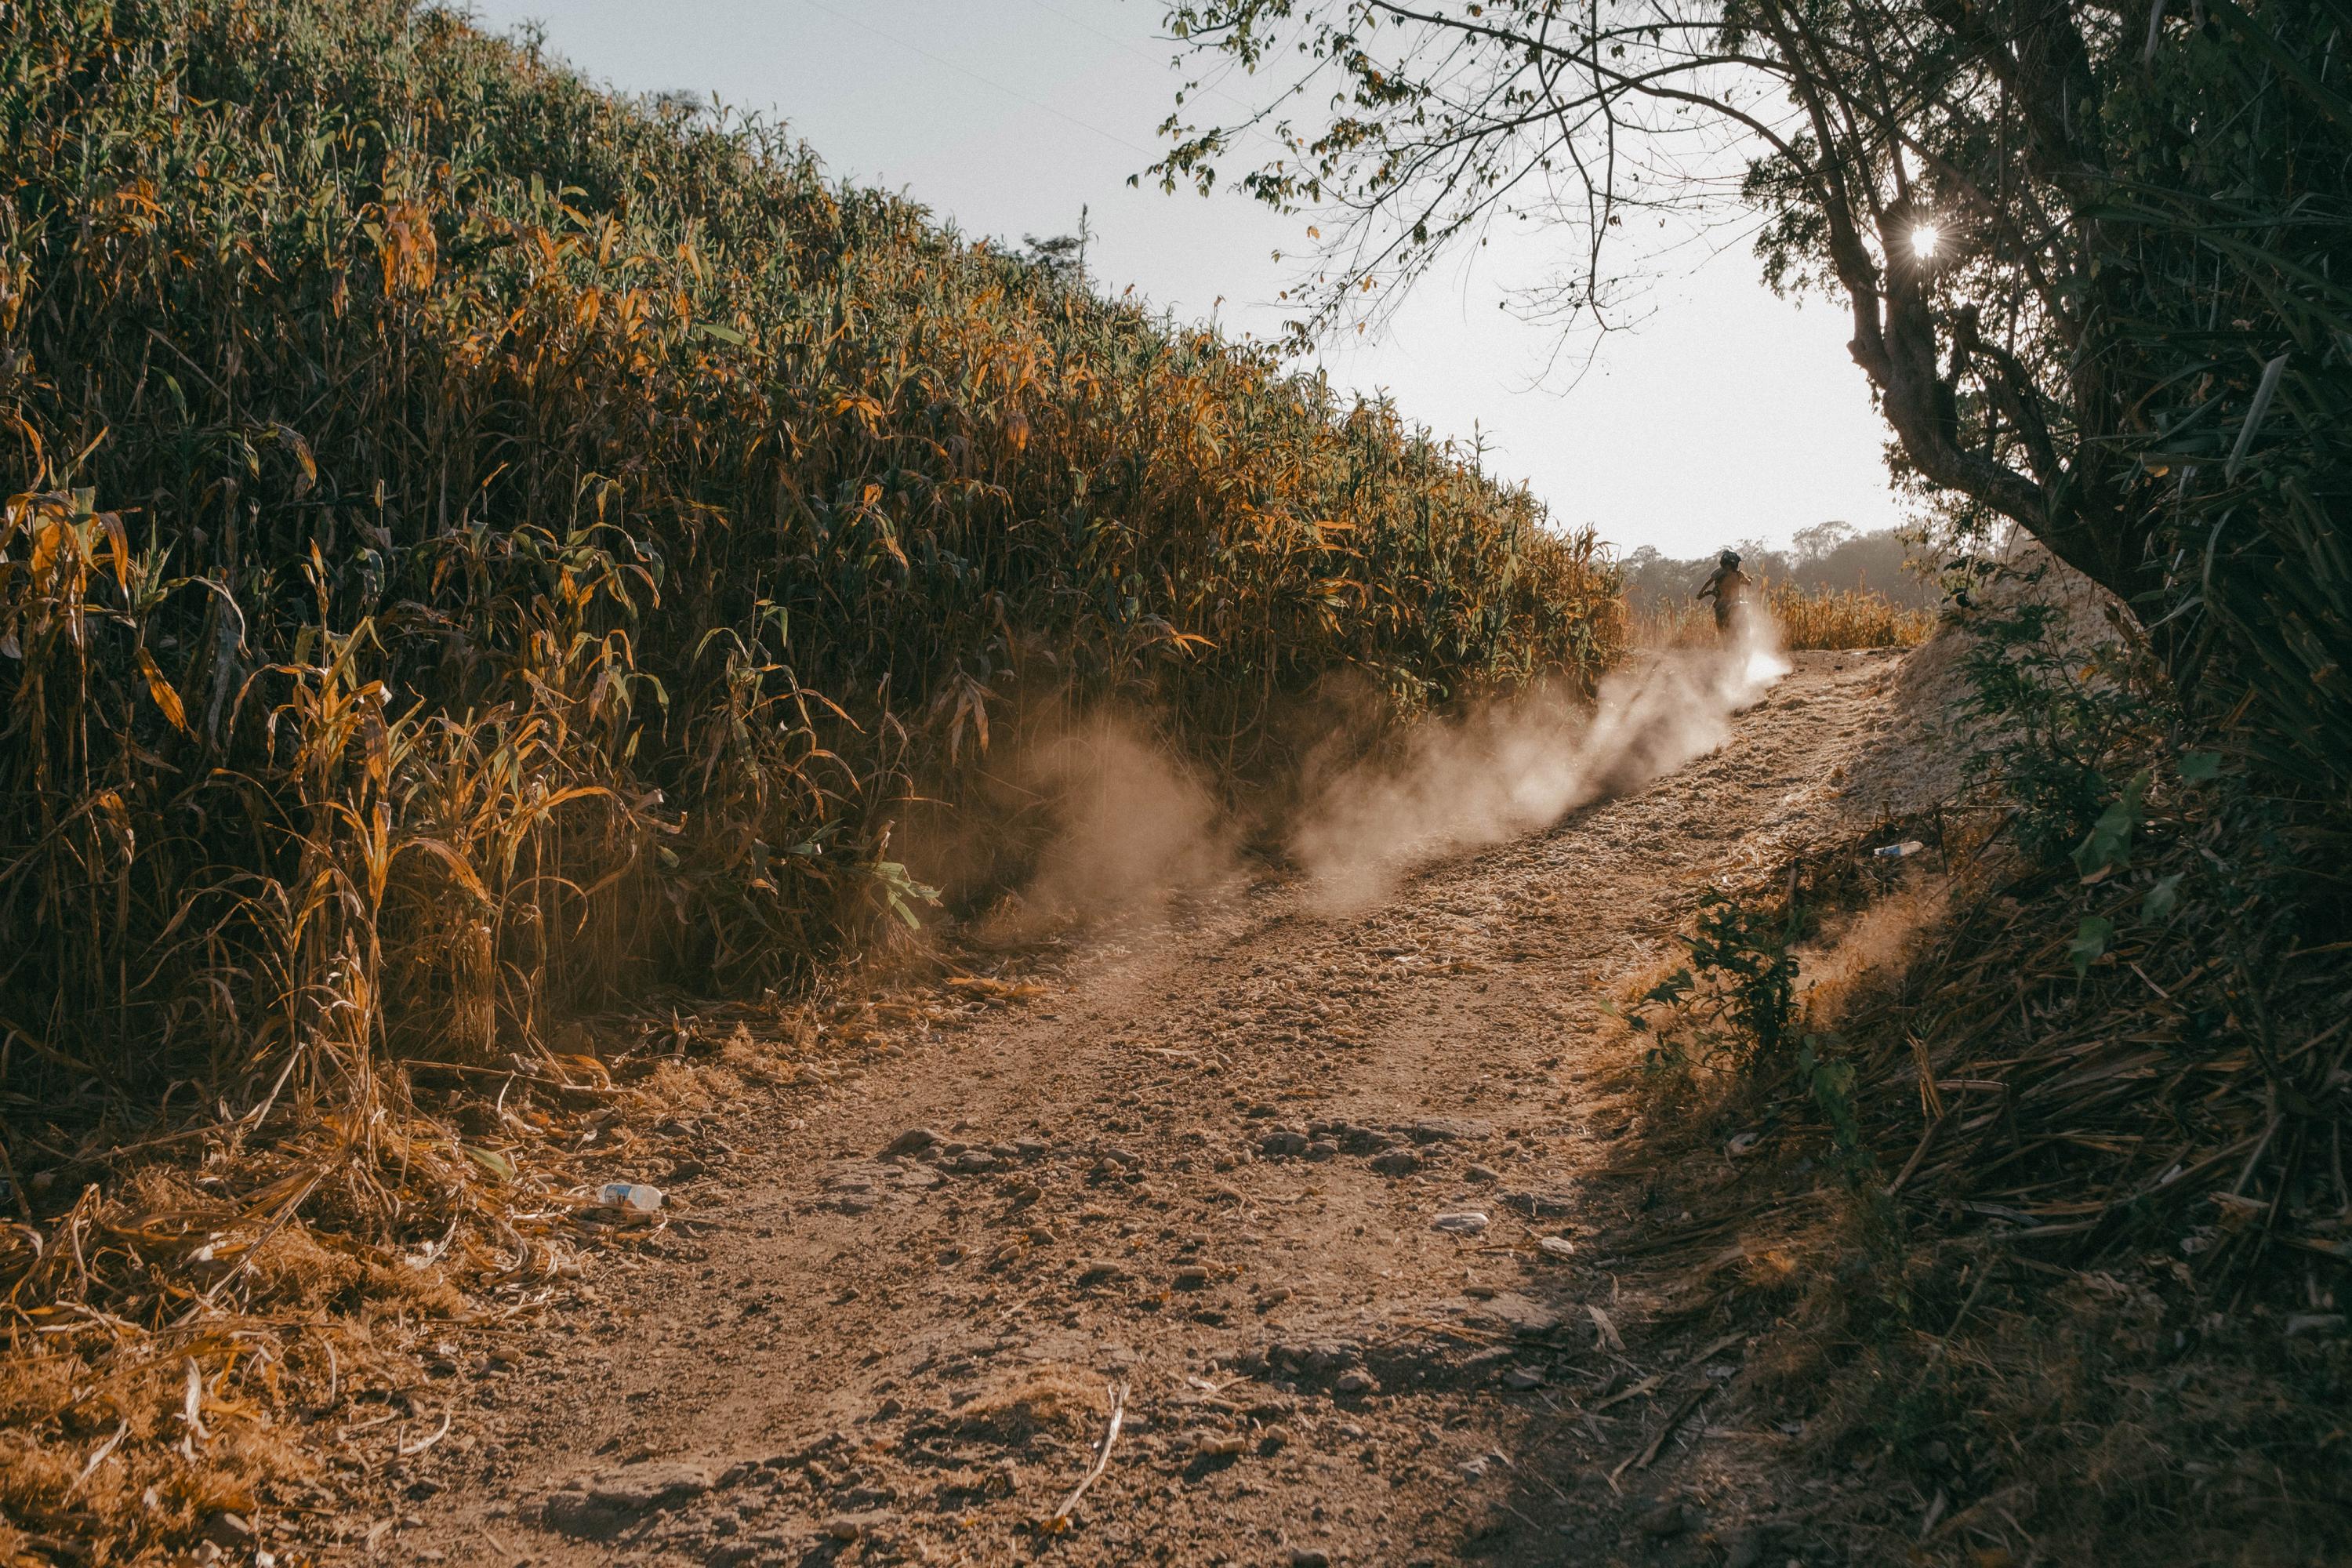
(1205, 1167)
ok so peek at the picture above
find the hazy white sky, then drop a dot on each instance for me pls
(1727, 415)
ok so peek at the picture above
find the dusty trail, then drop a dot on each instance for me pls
(1205, 1166)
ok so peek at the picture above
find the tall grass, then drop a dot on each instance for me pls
(1847, 618)
(1816, 619)
(2219, 233)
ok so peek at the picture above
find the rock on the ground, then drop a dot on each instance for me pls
(1316, 1358)
(846, 1527)
(599, 1504)
(913, 1140)
(1520, 1315)
(1539, 1202)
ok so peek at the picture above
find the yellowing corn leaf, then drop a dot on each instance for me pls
(118, 543)
(410, 254)
(490, 1161)
(49, 541)
(162, 692)
(869, 412)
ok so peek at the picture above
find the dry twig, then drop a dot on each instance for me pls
(1060, 1518)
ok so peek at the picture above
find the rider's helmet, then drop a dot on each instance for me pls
(1730, 558)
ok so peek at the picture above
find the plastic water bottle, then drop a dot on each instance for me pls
(629, 1197)
(1897, 851)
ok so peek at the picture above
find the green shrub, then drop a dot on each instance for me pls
(2060, 718)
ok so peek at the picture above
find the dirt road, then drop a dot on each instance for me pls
(1208, 1166)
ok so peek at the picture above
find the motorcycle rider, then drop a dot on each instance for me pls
(1731, 589)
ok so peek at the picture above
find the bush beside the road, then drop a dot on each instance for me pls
(1818, 619)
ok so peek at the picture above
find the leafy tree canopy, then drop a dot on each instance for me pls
(2088, 249)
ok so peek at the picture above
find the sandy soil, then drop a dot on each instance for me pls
(1206, 1167)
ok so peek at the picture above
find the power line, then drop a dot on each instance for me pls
(1130, 49)
(1098, 32)
(985, 81)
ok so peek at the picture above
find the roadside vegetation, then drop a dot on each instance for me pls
(2066, 1056)
(478, 551)
(1820, 619)
(1848, 619)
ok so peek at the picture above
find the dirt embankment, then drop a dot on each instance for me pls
(1342, 1213)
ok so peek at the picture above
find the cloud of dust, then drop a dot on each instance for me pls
(1518, 766)
(1127, 822)
(1131, 822)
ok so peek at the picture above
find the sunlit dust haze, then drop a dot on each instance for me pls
(1519, 766)
(1131, 824)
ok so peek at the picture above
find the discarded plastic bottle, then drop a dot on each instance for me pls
(1897, 851)
(629, 1197)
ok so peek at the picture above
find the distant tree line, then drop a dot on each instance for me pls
(1827, 557)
